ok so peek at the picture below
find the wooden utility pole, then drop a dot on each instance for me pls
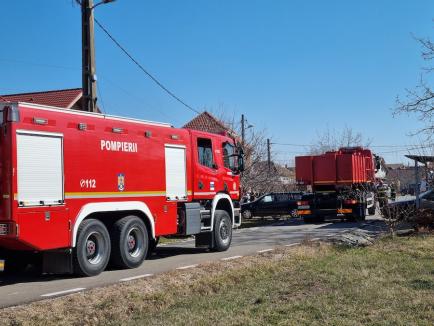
(243, 130)
(269, 154)
(88, 56)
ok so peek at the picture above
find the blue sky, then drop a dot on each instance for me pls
(294, 68)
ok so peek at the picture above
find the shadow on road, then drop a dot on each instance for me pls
(30, 276)
(174, 250)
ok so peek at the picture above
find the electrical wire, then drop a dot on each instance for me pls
(153, 78)
(98, 91)
(375, 146)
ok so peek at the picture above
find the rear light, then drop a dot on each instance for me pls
(4, 229)
(302, 203)
(350, 202)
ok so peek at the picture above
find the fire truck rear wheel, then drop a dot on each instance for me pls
(130, 242)
(222, 231)
(92, 252)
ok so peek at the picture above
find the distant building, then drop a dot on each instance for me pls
(403, 176)
(395, 166)
(62, 98)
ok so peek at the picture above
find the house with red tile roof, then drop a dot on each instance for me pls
(63, 98)
(208, 123)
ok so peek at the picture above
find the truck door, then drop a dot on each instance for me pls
(229, 164)
(40, 189)
(206, 176)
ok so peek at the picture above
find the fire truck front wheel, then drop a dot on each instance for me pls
(222, 231)
(130, 242)
(92, 252)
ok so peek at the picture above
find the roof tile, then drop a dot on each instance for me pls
(64, 98)
(208, 123)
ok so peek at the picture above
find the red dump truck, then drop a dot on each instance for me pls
(342, 184)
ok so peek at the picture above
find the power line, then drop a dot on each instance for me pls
(98, 91)
(375, 146)
(154, 79)
(407, 149)
(285, 144)
(132, 96)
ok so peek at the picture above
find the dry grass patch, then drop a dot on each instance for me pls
(391, 282)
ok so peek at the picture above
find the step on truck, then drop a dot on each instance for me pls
(341, 184)
(83, 190)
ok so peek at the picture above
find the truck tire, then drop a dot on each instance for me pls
(130, 242)
(92, 250)
(360, 214)
(308, 220)
(222, 231)
(313, 219)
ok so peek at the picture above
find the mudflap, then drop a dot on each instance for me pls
(13, 262)
(205, 240)
(2, 260)
(57, 262)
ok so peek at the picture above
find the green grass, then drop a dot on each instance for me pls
(390, 283)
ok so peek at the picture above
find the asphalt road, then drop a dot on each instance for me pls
(16, 290)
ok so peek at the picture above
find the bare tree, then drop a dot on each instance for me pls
(257, 177)
(398, 213)
(420, 100)
(332, 139)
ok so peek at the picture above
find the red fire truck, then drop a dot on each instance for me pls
(81, 190)
(342, 184)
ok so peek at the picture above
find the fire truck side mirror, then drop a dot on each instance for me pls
(240, 160)
(377, 163)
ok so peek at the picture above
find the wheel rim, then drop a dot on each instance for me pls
(135, 242)
(247, 214)
(224, 230)
(95, 248)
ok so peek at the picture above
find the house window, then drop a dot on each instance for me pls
(204, 147)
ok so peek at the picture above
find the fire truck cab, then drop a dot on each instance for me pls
(81, 190)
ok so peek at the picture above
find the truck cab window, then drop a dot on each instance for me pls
(267, 199)
(204, 147)
(228, 158)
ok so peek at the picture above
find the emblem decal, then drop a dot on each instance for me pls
(121, 182)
